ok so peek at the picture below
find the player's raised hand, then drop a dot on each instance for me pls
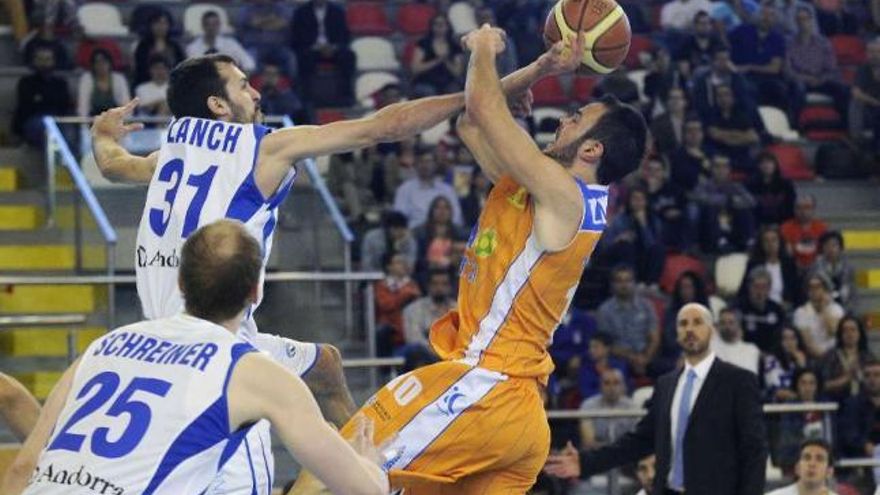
(564, 56)
(111, 123)
(566, 464)
(495, 37)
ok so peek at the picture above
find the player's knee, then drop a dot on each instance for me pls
(327, 376)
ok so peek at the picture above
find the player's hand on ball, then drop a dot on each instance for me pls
(563, 57)
(111, 123)
(495, 37)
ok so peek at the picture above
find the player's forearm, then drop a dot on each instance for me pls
(483, 90)
(118, 165)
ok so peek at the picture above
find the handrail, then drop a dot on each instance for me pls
(858, 462)
(55, 141)
(824, 407)
(373, 362)
(130, 279)
(33, 320)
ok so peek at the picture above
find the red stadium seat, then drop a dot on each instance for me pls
(850, 50)
(822, 123)
(582, 89)
(549, 92)
(408, 51)
(640, 44)
(848, 74)
(415, 18)
(675, 265)
(328, 115)
(792, 162)
(367, 18)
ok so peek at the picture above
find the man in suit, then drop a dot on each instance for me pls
(704, 425)
(320, 35)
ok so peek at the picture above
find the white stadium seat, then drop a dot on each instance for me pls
(375, 53)
(461, 17)
(192, 18)
(777, 124)
(369, 83)
(101, 19)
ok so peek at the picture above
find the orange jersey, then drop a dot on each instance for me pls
(513, 294)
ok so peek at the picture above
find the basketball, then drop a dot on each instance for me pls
(607, 33)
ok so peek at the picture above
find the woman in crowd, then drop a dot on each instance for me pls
(793, 428)
(101, 88)
(770, 253)
(156, 41)
(434, 238)
(775, 194)
(438, 61)
(832, 263)
(842, 366)
(634, 238)
(778, 368)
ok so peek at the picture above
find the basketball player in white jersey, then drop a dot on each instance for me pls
(217, 161)
(157, 407)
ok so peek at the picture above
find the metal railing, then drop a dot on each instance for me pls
(69, 321)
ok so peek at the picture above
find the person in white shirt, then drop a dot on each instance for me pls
(645, 474)
(211, 41)
(813, 470)
(728, 344)
(152, 93)
(817, 318)
(413, 198)
(679, 14)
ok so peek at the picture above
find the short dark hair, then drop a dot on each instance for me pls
(822, 444)
(603, 337)
(623, 133)
(210, 13)
(622, 267)
(193, 81)
(829, 235)
(220, 264)
(394, 218)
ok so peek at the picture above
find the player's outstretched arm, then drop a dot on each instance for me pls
(260, 388)
(558, 200)
(22, 468)
(18, 407)
(114, 161)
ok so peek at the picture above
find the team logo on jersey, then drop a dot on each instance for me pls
(447, 403)
(486, 243)
(79, 477)
(518, 199)
(157, 259)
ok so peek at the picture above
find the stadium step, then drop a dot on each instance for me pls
(869, 279)
(8, 179)
(21, 217)
(45, 342)
(861, 240)
(39, 383)
(37, 257)
(47, 299)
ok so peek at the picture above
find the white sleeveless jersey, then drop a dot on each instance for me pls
(147, 413)
(205, 172)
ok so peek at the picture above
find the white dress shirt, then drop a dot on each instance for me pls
(743, 354)
(792, 490)
(225, 45)
(702, 370)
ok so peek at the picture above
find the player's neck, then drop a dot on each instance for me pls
(233, 324)
(584, 172)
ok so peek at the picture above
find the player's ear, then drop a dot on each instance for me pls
(591, 151)
(218, 106)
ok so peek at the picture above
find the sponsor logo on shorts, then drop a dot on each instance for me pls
(79, 477)
(157, 259)
(447, 402)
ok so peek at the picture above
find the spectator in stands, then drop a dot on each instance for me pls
(669, 204)
(392, 294)
(726, 221)
(817, 319)
(438, 61)
(414, 196)
(636, 236)
(788, 12)
(859, 417)
(728, 344)
(773, 193)
(44, 37)
(733, 130)
(668, 127)
(699, 46)
(645, 472)
(795, 427)
(690, 163)
(211, 41)
(835, 18)
(769, 253)
(398, 165)
(661, 80)
(832, 263)
(349, 180)
(779, 367)
(57, 14)
(101, 88)
(620, 85)
(263, 27)
(864, 111)
(842, 366)
(598, 432)
(630, 319)
(87, 45)
(801, 234)
(729, 15)
(472, 204)
(763, 318)
(392, 237)
(813, 470)
(523, 21)
(598, 361)
(758, 50)
(37, 95)
(434, 238)
(707, 80)
(679, 14)
(689, 288)
(276, 95)
(506, 61)
(152, 93)
(320, 36)
(156, 40)
(421, 314)
(811, 66)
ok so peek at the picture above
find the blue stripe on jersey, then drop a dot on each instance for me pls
(266, 463)
(247, 448)
(268, 229)
(248, 199)
(237, 351)
(595, 203)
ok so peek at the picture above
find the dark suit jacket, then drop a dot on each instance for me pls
(304, 27)
(725, 449)
(664, 134)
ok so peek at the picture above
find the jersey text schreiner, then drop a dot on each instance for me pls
(140, 347)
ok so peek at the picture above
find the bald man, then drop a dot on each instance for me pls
(704, 425)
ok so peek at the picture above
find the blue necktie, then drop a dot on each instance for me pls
(684, 413)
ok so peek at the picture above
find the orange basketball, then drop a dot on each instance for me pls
(607, 34)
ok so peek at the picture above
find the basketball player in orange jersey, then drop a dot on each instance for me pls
(475, 423)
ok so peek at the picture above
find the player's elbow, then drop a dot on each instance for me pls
(478, 111)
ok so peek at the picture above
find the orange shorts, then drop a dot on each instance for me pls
(460, 430)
